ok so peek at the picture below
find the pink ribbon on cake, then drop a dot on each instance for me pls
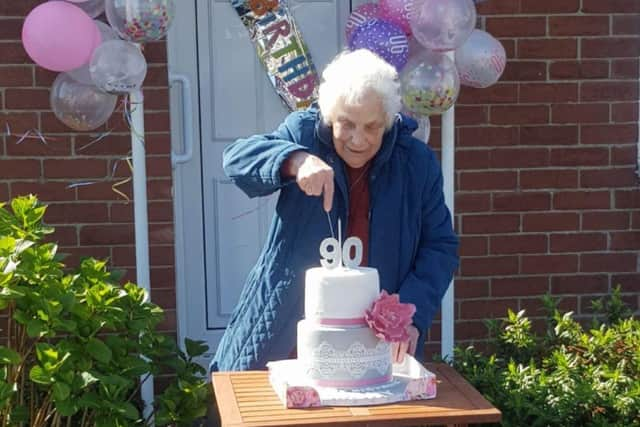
(355, 321)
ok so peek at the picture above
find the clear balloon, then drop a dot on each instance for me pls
(442, 25)
(79, 106)
(359, 16)
(480, 60)
(118, 66)
(82, 74)
(140, 20)
(93, 8)
(430, 84)
(59, 36)
(383, 38)
(397, 12)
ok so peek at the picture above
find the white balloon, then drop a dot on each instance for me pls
(442, 25)
(140, 20)
(480, 60)
(118, 66)
(82, 74)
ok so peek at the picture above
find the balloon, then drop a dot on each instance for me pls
(397, 12)
(385, 39)
(79, 106)
(359, 16)
(93, 8)
(430, 84)
(480, 60)
(442, 25)
(140, 20)
(82, 74)
(59, 36)
(118, 66)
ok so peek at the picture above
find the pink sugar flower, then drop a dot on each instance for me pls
(389, 318)
(302, 397)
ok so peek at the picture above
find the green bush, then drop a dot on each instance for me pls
(78, 343)
(564, 377)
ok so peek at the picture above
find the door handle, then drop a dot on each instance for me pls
(187, 120)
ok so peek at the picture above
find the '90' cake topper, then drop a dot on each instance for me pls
(335, 254)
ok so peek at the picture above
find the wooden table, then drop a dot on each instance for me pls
(246, 399)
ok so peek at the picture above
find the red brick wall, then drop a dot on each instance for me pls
(547, 197)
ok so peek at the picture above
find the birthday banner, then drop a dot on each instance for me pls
(280, 47)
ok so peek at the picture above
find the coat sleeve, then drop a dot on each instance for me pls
(254, 163)
(437, 254)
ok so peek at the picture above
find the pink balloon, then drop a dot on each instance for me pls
(359, 16)
(59, 36)
(78, 1)
(397, 12)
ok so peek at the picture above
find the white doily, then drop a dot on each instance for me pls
(356, 360)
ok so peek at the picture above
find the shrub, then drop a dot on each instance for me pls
(78, 343)
(564, 377)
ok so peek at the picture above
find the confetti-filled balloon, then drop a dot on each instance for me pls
(442, 25)
(79, 106)
(385, 39)
(480, 60)
(430, 84)
(82, 74)
(140, 20)
(118, 66)
(359, 16)
(397, 12)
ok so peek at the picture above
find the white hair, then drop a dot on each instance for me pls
(351, 75)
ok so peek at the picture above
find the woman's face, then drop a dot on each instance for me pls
(358, 129)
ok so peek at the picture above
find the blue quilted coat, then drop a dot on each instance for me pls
(411, 240)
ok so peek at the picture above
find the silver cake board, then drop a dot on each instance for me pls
(411, 381)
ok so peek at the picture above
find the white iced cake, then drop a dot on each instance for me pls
(335, 345)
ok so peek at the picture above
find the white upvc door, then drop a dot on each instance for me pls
(221, 90)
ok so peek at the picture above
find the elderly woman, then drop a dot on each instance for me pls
(355, 159)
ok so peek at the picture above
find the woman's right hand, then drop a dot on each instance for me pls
(312, 174)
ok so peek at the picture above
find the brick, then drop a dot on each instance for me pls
(473, 246)
(611, 220)
(627, 199)
(624, 69)
(624, 112)
(18, 75)
(13, 53)
(471, 115)
(499, 93)
(113, 145)
(577, 200)
(487, 136)
(165, 298)
(518, 244)
(546, 264)
(156, 52)
(579, 284)
(550, 221)
(124, 256)
(575, 25)
(535, 307)
(608, 91)
(516, 27)
(75, 168)
(547, 48)
(610, 6)
(161, 143)
(574, 70)
(635, 220)
(161, 233)
(609, 134)
(156, 99)
(519, 286)
(162, 277)
(610, 47)
(627, 282)
(469, 330)
(509, 158)
(490, 224)
(27, 99)
(548, 179)
(169, 323)
(44, 77)
(74, 255)
(65, 213)
(522, 71)
(588, 156)
(472, 159)
(580, 113)
(548, 92)
(19, 123)
(11, 29)
(160, 211)
(519, 114)
(158, 255)
(489, 266)
(55, 146)
(18, 9)
(521, 201)
(625, 240)
(47, 191)
(487, 309)
(19, 168)
(626, 24)
(578, 242)
(64, 235)
(612, 177)
(624, 155)
(102, 190)
(472, 202)
(498, 8)
(159, 189)
(608, 262)
(156, 76)
(471, 288)
(491, 180)
(4, 192)
(550, 6)
(108, 234)
(549, 135)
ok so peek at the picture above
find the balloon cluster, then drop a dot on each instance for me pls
(97, 62)
(415, 35)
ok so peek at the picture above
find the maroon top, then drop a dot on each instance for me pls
(358, 224)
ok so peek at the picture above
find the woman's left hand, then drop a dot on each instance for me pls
(399, 349)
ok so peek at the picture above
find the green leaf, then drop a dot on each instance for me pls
(61, 391)
(67, 407)
(19, 415)
(99, 350)
(127, 410)
(195, 348)
(9, 356)
(38, 375)
(36, 328)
